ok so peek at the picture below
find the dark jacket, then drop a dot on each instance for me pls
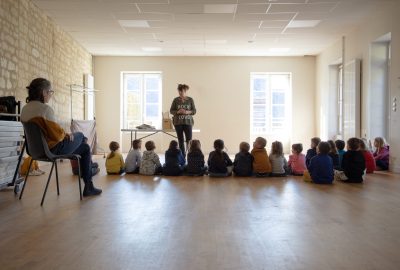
(195, 163)
(310, 154)
(353, 166)
(174, 162)
(218, 163)
(243, 164)
(321, 169)
(335, 160)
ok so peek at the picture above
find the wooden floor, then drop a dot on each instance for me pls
(201, 223)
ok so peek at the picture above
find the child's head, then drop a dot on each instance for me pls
(363, 145)
(260, 142)
(150, 146)
(137, 144)
(277, 148)
(219, 145)
(353, 144)
(340, 144)
(194, 145)
(379, 142)
(297, 148)
(173, 145)
(315, 142)
(333, 147)
(323, 148)
(114, 146)
(244, 147)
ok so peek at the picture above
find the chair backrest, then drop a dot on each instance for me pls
(36, 145)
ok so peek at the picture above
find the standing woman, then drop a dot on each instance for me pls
(183, 109)
(37, 111)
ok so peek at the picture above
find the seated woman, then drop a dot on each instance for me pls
(60, 143)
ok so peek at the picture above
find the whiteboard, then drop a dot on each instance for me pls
(352, 99)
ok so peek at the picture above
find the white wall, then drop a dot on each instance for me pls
(357, 45)
(220, 87)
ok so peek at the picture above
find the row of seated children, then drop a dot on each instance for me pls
(327, 161)
(256, 163)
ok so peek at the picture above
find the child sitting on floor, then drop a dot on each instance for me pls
(297, 160)
(333, 153)
(150, 163)
(219, 163)
(368, 156)
(313, 150)
(340, 144)
(353, 164)
(381, 154)
(174, 160)
(277, 159)
(195, 160)
(243, 163)
(134, 157)
(115, 162)
(261, 164)
(321, 165)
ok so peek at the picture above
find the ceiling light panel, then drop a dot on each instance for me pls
(252, 8)
(303, 23)
(317, 7)
(220, 9)
(265, 17)
(171, 8)
(134, 23)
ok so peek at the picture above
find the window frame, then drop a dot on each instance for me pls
(155, 121)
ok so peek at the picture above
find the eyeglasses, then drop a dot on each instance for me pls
(50, 92)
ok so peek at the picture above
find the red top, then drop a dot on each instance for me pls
(297, 163)
(369, 161)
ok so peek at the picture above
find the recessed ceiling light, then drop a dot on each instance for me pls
(151, 49)
(279, 50)
(303, 23)
(134, 23)
(220, 8)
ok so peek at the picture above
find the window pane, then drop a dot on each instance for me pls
(133, 83)
(259, 84)
(279, 81)
(152, 83)
(278, 111)
(152, 110)
(133, 97)
(151, 97)
(278, 98)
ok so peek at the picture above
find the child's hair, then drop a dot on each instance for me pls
(315, 141)
(340, 144)
(297, 147)
(363, 146)
(183, 87)
(324, 148)
(194, 145)
(353, 144)
(244, 147)
(150, 145)
(173, 145)
(261, 141)
(381, 142)
(136, 144)
(114, 146)
(333, 147)
(277, 148)
(219, 145)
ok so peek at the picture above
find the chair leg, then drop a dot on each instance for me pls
(26, 179)
(79, 178)
(58, 186)
(47, 184)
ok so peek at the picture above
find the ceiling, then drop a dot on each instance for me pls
(208, 27)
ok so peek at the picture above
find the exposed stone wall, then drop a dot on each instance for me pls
(32, 45)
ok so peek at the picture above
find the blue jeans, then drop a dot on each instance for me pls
(79, 147)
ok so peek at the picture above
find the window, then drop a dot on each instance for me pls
(340, 100)
(141, 99)
(270, 95)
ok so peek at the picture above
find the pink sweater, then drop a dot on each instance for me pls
(297, 163)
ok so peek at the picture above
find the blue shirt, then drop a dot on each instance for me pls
(321, 169)
(341, 153)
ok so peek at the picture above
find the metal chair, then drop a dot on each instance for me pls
(37, 148)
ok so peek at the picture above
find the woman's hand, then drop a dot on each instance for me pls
(181, 111)
(70, 136)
